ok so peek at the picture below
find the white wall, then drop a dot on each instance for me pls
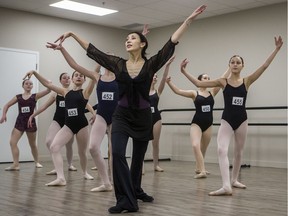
(208, 44)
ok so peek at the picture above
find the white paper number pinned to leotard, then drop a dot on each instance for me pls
(206, 108)
(238, 101)
(25, 109)
(61, 103)
(72, 112)
(107, 95)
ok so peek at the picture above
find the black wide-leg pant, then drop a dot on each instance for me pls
(127, 182)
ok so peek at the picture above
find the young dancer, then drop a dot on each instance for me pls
(154, 95)
(107, 97)
(75, 123)
(201, 125)
(234, 117)
(132, 117)
(26, 105)
(107, 94)
(58, 121)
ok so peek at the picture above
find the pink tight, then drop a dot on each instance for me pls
(223, 139)
(97, 134)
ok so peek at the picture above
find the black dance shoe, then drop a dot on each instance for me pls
(118, 209)
(145, 198)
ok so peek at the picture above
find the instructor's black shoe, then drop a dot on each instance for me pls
(118, 209)
(145, 198)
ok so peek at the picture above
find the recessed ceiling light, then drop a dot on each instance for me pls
(83, 8)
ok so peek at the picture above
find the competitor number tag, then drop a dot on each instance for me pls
(206, 108)
(25, 109)
(61, 103)
(72, 112)
(107, 95)
(238, 101)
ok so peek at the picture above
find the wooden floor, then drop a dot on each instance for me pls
(176, 193)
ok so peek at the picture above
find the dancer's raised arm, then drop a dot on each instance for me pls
(186, 93)
(47, 104)
(72, 63)
(184, 26)
(204, 84)
(84, 44)
(46, 83)
(165, 75)
(174, 38)
(254, 76)
(42, 94)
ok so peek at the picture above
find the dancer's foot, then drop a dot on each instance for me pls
(72, 168)
(88, 177)
(221, 192)
(145, 198)
(38, 165)
(118, 209)
(94, 168)
(158, 169)
(52, 172)
(237, 184)
(57, 182)
(12, 168)
(198, 172)
(102, 188)
(200, 175)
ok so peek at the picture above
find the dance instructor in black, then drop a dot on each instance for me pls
(132, 117)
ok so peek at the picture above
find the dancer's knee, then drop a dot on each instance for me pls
(196, 146)
(48, 143)
(222, 152)
(238, 155)
(54, 149)
(94, 151)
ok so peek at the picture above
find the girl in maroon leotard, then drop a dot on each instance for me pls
(26, 105)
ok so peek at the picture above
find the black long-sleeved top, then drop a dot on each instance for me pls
(140, 85)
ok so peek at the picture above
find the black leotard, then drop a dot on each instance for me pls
(107, 94)
(75, 104)
(154, 100)
(204, 111)
(235, 99)
(59, 115)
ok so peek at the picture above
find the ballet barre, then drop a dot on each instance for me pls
(219, 109)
